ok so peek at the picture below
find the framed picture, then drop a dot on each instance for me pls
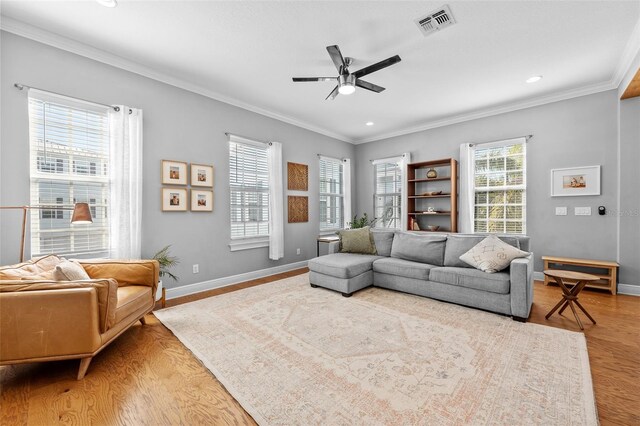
(201, 175)
(201, 200)
(297, 177)
(298, 209)
(575, 181)
(174, 199)
(174, 172)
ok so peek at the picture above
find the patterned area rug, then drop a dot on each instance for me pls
(292, 354)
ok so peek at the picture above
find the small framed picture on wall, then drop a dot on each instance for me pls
(174, 172)
(201, 200)
(174, 199)
(201, 175)
(575, 181)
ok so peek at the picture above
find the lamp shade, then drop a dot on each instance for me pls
(81, 214)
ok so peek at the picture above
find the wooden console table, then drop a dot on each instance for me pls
(606, 281)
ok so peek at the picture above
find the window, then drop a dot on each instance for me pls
(500, 180)
(387, 193)
(249, 188)
(331, 194)
(69, 145)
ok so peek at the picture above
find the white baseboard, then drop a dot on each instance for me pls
(629, 289)
(538, 276)
(188, 289)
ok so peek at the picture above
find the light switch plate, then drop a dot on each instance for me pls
(582, 211)
(561, 211)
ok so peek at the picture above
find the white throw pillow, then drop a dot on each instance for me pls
(70, 270)
(492, 255)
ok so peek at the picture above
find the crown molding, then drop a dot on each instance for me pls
(629, 59)
(491, 111)
(42, 36)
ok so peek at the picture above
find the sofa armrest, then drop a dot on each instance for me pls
(106, 291)
(125, 272)
(45, 324)
(521, 272)
(334, 247)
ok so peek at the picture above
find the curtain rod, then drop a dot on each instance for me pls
(387, 158)
(21, 86)
(247, 138)
(331, 158)
(526, 137)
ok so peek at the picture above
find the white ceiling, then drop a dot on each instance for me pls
(245, 52)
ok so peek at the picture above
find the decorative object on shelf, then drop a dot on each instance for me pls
(433, 228)
(414, 225)
(297, 177)
(81, 216)
(174, 172)
(174, 199)
(298, 209)
(201, 175)
(575, 181)
(201, 200)
(432, 193)
(432, 173)
(431, 209)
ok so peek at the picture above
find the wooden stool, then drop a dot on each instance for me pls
(570, 295)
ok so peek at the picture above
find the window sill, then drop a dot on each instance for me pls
(248, 243)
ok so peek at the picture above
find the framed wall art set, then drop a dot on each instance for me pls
(179, 173)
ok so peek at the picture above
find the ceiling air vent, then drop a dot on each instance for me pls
(435, 21)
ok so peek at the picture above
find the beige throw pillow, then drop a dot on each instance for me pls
(492, 255)
(357, 241)
(70, 270)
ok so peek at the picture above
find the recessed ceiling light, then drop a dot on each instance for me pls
(108, 3)
(534, 79)
(369, 123)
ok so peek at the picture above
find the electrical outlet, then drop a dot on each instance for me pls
(561, 211)
(582, 211)
(298, 252)
(196, 269)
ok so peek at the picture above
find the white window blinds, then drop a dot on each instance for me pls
(331, 194)
(500, 179)
(69, 147)
(249, 188)
(387, 193)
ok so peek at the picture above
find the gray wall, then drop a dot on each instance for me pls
(575, 132)
(629, 191)
(178, 125)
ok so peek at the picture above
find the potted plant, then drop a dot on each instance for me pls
(166, 262)
(362, 222)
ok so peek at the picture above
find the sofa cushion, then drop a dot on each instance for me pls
(132, 298)
(383, 241)
(40, 268)
(70, 270)
(342, 265)
(419, 248)
(492, 255)
(402, 268)
(457, 245)
(472, 278)
(357, 241)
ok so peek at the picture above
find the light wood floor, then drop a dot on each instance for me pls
(148, 377)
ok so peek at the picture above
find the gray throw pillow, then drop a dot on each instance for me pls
(70, 270)
(419, 248)
(383, 241)
(457, 245)
(357, 241)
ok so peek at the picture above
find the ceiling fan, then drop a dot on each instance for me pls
(347, 81)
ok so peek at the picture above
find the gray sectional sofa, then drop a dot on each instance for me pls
(429, 265)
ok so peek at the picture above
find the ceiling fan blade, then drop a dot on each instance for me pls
(377, 67)
(333, 94)
(369, 86)
(299, 79)
(336, 57)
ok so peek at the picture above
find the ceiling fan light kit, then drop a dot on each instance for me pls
(347, 81)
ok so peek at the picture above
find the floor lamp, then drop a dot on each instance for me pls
(81, 215)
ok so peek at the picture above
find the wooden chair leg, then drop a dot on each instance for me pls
(84, 365)
(143, 320)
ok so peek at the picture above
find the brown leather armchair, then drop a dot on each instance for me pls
(47, 320)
